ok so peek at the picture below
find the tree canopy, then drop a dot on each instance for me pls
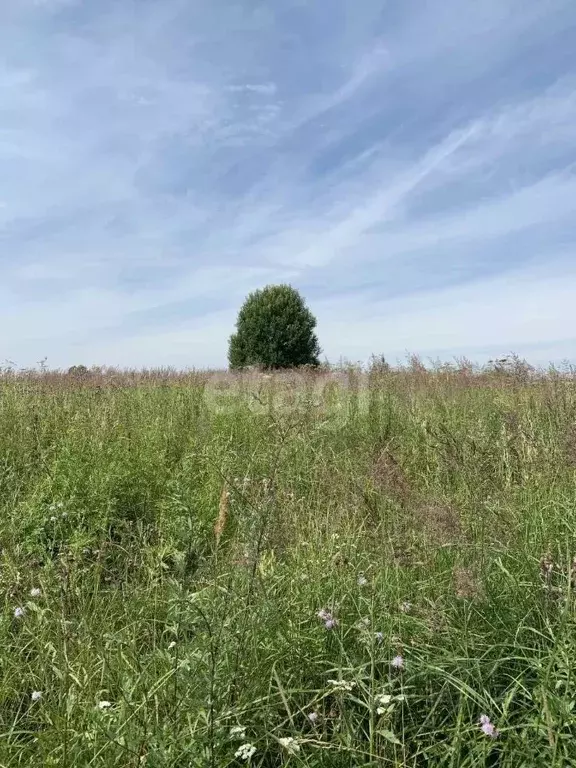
(275, 329)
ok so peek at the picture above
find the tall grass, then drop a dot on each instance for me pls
(332, 569)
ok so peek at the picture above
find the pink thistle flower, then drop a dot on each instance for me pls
(488, 727)
(331, 623)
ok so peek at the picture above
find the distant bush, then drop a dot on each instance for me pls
(275, 329)
(77, 370)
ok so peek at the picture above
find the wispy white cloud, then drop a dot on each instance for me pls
(158, 161)
(265, 89)
(359, 220)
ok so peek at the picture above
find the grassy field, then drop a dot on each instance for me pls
(333, 569)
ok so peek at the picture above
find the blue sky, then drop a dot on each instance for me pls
(409, 166)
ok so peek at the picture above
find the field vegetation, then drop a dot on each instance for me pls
(319, 568)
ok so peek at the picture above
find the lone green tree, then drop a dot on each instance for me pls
(275, 329)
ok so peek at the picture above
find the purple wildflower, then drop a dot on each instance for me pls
(488, 727)
(330, 621)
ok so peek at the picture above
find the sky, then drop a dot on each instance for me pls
(408, 165)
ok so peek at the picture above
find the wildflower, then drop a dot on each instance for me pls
(398, 662)
(406, 607)
(379, 636)
(290, 744)
(35, 592)
(36, 695)
(19, 613)
(238, 732)
(487, 727)
(342, 685)
(330, 621)
(104, 704)
(313, 717)
(362, 580)
(53, 518)
(245, 751)
(171, 645)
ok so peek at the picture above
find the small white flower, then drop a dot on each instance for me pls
(342, 685)
(53, 519)
(381, 710)
(383, 699)
(104, 704)
(313, 717)
(36, 695)
(19, 613)
(362, 580)
(171, 645)
(238, 732)
(398, 662)
(35, 592)
(245, 751)
(290, 744)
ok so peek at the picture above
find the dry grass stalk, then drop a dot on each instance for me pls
(546, 568)
(223, 510)
(440, 523)
(389, 476)
(466, 583)
(570, 445)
